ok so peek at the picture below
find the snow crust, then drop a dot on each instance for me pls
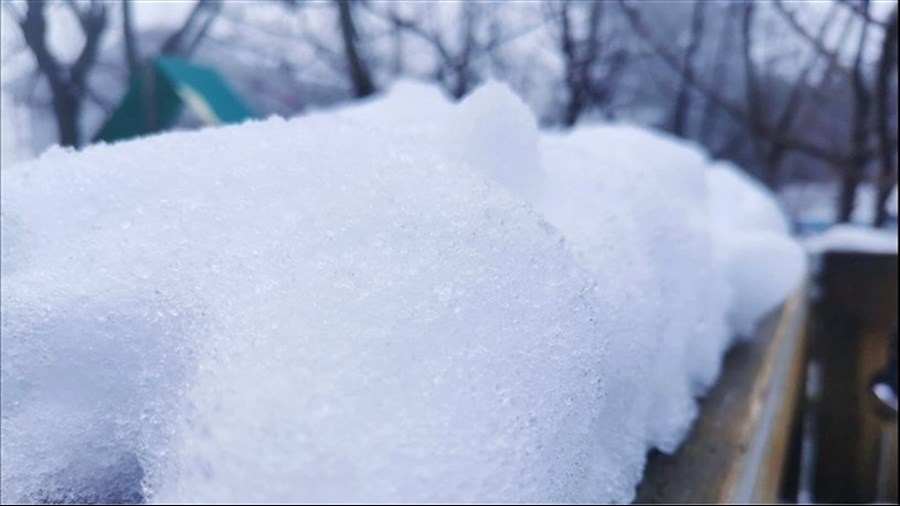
(408, 301)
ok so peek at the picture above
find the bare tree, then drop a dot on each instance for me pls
(590, 68)
(358, 71)
(887, 148)
(719, 66)
(132, 53)
(578, 56)
(184, 41)
(68, 83)
(755, 113)
(854, 171)
(771, 131)
(456, 61)
(772, 156)
(460, 67)
(853, 168)
(683, 99)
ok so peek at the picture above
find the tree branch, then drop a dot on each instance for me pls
(683, 99)
(34, 30)
(864, 13)
(711, 93)
(887, 174)
(132, 54)
(173, 44)
(94, 25)
(833, 57)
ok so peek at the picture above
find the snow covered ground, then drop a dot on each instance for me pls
(406, 300)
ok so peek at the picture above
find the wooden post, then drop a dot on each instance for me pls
(851, 329)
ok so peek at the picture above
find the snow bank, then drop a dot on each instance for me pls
(376, 304)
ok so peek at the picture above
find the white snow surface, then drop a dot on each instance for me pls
(739, 202)
(750, 232)
(407, 301)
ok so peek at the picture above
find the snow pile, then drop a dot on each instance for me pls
(760, 260)
(853, 238)
(739, 202)
(410, 107)
(492, 130)
(375, 305)
(631, 204)
(496, 132)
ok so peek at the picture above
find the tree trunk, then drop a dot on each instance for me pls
(855, 170)
(574, 106)
(461, 82)
(574, 86)
(756, 117)
(462, 64)
(847, 201)
(131, 50)
(710, 113)
(887, 174)
(67, 109)
(359, 73)
(772, 164)
(683, 100)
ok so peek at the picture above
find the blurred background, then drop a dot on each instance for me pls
(802, 94)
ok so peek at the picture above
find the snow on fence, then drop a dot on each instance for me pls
(406, 300)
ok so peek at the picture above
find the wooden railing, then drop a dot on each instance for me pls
(739, 446)
(793, 417)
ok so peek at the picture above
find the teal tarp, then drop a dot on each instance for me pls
(157, 94)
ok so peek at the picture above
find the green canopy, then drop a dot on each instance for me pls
(157, 95)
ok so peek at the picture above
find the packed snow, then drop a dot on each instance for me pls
(408, 300)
